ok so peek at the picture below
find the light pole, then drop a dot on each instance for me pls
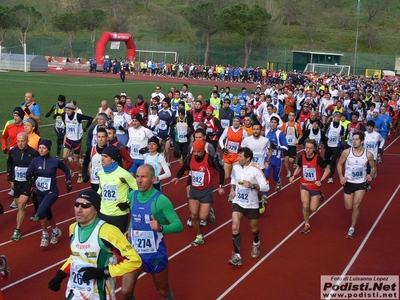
(358, 23)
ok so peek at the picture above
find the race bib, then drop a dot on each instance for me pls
(20, 173)
(43, 183)
(256, 158)
(94, 173)
(59, 123)
(310, 174)
(357, 173)
(144, 242)
(290, 140)
(163, 125)
(110, 192)
(333, 141)
(224, 123)
(182, 136)
(243, 194)
(72, 128)
(233, 147)
(77, 281)
(370, 146)
(197, 178)
(135, 149)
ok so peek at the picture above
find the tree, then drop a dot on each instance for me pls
(91, 21)
(249, 23)
(26, 17)
(7, 21)
(375, 7)
(202, 17)
(68, 23)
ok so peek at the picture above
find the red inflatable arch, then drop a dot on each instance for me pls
(114, 37)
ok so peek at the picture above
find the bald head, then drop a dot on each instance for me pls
(22, 140)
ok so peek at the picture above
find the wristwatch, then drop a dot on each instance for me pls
(321, 180)
(106, 272)
(161, 228)
(221, 186)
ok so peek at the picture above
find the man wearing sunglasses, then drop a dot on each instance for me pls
(97, 247)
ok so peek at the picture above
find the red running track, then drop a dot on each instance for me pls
(290, 264)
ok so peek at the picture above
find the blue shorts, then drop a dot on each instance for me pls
(136, 164)
(73, 145)
(155, 266)
(311, 192)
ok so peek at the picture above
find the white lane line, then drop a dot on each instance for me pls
(355, 256)
(295, 231)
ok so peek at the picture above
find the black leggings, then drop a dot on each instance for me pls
(331, 156)
(119, 221)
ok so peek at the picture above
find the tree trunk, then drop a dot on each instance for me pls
(207, 52)
(247, 51)
(70, 39)
(92, 40)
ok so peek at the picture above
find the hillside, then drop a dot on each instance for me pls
(315, 25)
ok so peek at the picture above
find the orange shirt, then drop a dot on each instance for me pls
(290, 105)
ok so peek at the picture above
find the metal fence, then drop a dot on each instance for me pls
(188, 53)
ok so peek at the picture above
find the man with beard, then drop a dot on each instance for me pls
(355, 177)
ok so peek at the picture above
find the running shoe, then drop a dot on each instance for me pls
(71, 172)
(189, 222)
(80, 179)
(34, 218)
(181, 160)
(5, 269)
(11, 193)
(289, 174)
(235, 260)
(13, 204)
(55, 235)
(262, 204)
(367, 187)
(17, 235)
(211, 219)
(295, 165)
(198, 241)
(44, 242)
(350, 234)
(379, 159)
(203, 223)
(255, 250)
(330, 180)
(278, 186)
(306, 229)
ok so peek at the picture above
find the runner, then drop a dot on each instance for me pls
(92, 275)
(355, 160)
(246, 180)
(17, 164)
(309, 165)
(152, 217)
(202, 166)
(44, 168)
(57, 111)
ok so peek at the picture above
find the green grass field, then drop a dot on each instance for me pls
(87, 91)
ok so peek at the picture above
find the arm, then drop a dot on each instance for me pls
(170, 221)
(164, 165)
(213, 162)
(86, 162)
(222, 138)
(115, 241)
(63, 166)
(127, 160)
(262, 183)
(130, 180)
(372, 174)
(50, 111)
(89, 120)
(340, 164)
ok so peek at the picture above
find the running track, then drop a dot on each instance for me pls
(290, 264)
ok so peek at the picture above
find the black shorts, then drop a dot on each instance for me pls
(249, 213)
(204, 196)
(350, 188)
(22, 188)
(291, 152)
(73, 145)
(163, 135)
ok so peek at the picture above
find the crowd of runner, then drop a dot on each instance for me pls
(243, 137)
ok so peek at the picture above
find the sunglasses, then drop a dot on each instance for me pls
(84, 205)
